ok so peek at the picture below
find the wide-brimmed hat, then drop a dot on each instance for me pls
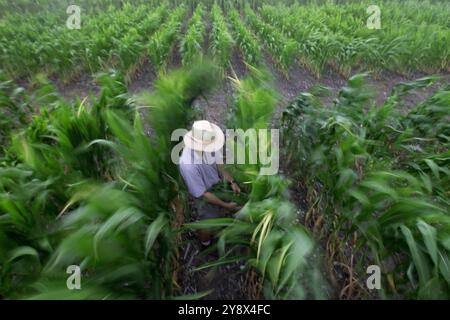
(204, 136)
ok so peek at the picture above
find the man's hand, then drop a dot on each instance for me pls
(233, 206)
(213, 199)
(235, 188)
(227, 176)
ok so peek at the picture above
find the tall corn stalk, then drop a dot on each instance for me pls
(191, 46)
(377, 183)
(58, 208)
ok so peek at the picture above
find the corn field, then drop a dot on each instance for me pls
(86, 122)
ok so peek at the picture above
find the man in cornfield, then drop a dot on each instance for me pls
(202, 172)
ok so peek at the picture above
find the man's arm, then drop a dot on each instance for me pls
(198, 189)
(224, 173)
(213, 199)
(227, 176)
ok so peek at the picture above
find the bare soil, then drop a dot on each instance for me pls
(144, 79)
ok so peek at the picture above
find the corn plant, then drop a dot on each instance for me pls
(191, 46)
(221, 43)
(14, 108)
(315, 45)
(51, 158)
(128, 51)
(109, 222)
(161, 43)
(62, 51)
(247, 43)
(283, 50)
(398, 46)
(377, 182)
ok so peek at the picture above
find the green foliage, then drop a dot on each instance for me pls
(284, 50)
(255, 101)
(27, 49)
(221, 43)
(27, 211)
(92, 189)
(320, 35)
(248, 44)
(381, 175)
(266, 231)
(336, 35)
(191, 45)
(128, 50)
(162, 42)
(82, 183)
(13, 110)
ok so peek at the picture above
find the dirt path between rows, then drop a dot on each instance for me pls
(226, 282)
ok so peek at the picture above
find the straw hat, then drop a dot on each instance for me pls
(204, 136)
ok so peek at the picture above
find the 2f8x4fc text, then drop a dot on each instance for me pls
(226, 309)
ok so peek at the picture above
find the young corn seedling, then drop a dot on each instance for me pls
(162, 42)
(129, 49)
(221, 43)
(191, 45)
(247, 43)
(283, 50)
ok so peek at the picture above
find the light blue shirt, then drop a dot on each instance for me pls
(198, 172)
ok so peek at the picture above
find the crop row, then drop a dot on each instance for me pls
(129, 51)
(283, 50)
(319, 37)
(60, 50)
(163, 41)
(246, 41)
(377, 184)
(191, 46)
(221, 41)
(330, 36)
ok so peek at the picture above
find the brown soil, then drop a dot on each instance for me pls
(224, 282)
(81, 87)
(237, 64)
(144, 79)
